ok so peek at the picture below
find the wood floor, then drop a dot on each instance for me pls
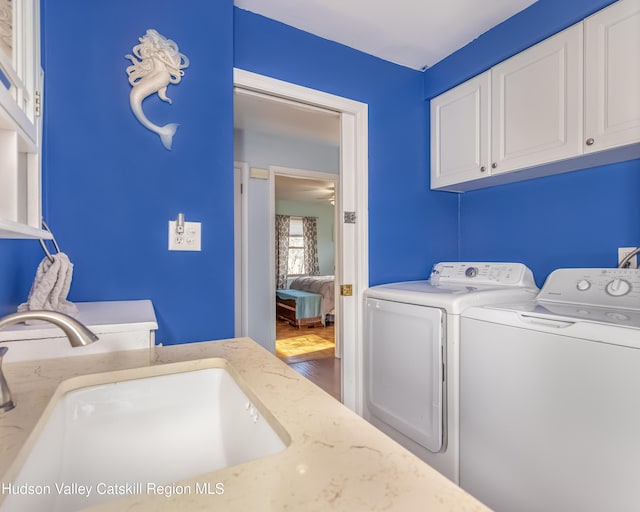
(286, 330)
(320, 367)
(324, 373)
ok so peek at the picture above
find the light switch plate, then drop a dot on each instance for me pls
(190, 240)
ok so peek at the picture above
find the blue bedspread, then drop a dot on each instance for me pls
(307, 304)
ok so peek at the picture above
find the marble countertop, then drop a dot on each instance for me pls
(335, 461)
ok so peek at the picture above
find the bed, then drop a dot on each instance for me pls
(322, 285)
(299, 308)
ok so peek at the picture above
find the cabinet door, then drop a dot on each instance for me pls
(612, 76)
(460, 133)
(536, 104)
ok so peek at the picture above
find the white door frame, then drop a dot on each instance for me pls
(240, 244)
(354, 255)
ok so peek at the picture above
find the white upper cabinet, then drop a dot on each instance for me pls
(612, 71)
(570, 102)
(460, 132)
(20, 120)
(536, 104)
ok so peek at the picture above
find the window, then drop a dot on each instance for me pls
(296, 248)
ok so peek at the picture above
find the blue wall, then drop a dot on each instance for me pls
(572, 220)
(112, 187)
(410, 227)
(18, 262)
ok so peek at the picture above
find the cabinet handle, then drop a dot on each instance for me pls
(590, 141)
(494, 165)
(483, 168)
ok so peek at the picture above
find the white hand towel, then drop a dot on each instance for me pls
(51, 286)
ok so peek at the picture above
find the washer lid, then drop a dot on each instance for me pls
(604, 296)
(452, 298)
(571, 313)
(574, 321)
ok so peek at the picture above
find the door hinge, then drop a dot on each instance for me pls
(38, 104)
(346, 290)
(349, 217)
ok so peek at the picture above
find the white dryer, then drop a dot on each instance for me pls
(550, 396)
(411, 352)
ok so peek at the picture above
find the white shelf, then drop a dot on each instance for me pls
(11, 229)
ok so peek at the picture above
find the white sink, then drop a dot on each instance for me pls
(149, 431)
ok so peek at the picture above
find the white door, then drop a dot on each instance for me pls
(460, 130)
(536, 104)
(404, 369)
(352, 205)
(612, 76)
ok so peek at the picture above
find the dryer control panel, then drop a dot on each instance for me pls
(601, 287)
(482, 274)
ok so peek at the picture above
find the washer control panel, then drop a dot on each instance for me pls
(603, 287)
(482, 274)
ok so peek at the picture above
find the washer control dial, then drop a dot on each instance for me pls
(583, 285)
(618, 287)
(471, 272)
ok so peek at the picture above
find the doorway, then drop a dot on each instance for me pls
(350, 231)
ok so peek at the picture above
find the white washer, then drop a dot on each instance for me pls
(550, 396)
(411, 352)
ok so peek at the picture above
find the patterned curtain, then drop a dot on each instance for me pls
(310, 236)
(282, 250)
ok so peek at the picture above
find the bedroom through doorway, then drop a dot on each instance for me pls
(305, 256)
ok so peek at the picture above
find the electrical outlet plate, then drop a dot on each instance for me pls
(622, 253)
(190, 240)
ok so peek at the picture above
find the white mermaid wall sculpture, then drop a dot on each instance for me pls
(156, 63)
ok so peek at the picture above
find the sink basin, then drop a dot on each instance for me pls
(139, 434)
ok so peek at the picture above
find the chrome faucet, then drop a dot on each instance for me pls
(79, 335)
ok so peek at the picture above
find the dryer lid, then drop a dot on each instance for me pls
(454, 286)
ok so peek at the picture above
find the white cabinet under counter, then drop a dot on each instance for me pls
(119, 325)
(567, 103)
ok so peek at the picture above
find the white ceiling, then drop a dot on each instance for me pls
(258, 113)
(412, 33)
(304, 190)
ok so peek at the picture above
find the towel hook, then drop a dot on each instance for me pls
(53, 240)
